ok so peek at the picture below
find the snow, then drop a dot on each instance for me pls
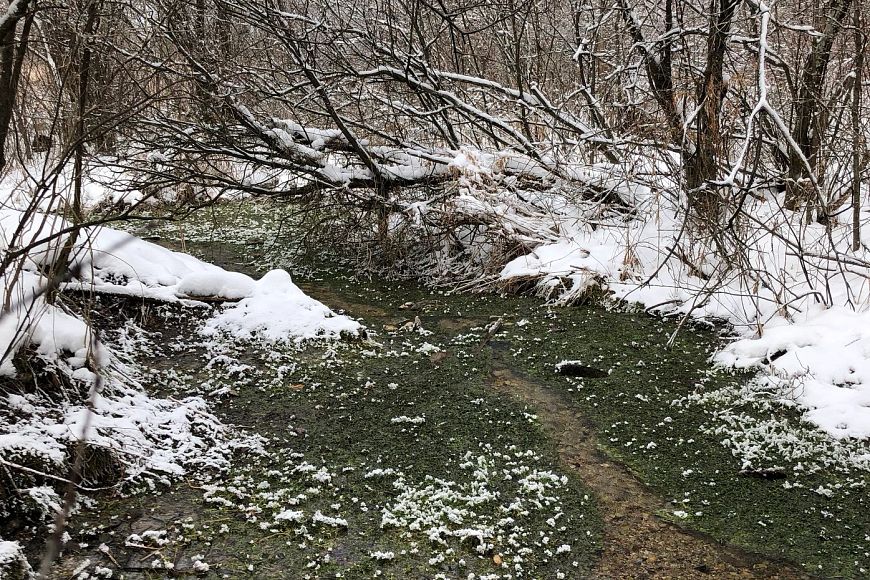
(273, 308)
(62, 332)
(9, 551)
(813, 314)
(104, 183)
(116, 262)
(291, 516)
(17, 232)
(825, 358)
(467, 162)
(335, 522)
(278, 311)
(58, 336)
(12, 559)
(111, 261)
(565, 258)
(226, 285)
(151, 439)
(317, 138)
(106, 260)
(150, 436)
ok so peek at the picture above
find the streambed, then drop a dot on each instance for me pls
(439, 448)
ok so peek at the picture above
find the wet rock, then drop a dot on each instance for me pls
(573, 368)
(764, 473)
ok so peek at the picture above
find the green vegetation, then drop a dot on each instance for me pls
(412, 458)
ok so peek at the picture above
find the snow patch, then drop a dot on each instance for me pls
(226, 285)
(278, 311)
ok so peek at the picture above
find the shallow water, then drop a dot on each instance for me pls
(649, 491)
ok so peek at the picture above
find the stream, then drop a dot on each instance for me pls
(447, 445)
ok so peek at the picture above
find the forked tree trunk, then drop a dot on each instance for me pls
(806, 125)
(702, 152)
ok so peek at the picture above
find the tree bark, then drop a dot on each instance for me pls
(702, 163)
(701, 153)
(11, 56)
(857, 131)
(76, 215)
(806, 124)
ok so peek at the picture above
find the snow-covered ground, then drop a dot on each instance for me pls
(150, 439)
(114, 262)
(275, 309)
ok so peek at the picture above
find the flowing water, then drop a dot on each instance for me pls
(455, 449)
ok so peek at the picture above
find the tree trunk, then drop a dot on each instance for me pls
(76, 215)
(806, 123)
(857, 131)
(702, 163)
(11, 57)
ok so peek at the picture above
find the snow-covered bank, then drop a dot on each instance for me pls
(272, 308)
(114, 262)
(275, 309)
(822, 361)
(62, 382)
(801, 320)
(507, 223)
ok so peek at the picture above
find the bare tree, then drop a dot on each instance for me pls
(857, 126)
(808, 126)
(13, 48)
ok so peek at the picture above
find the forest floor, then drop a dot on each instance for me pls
(441, 447)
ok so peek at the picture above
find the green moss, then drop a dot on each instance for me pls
(687, 462)
(342, 408)
(640, 411)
